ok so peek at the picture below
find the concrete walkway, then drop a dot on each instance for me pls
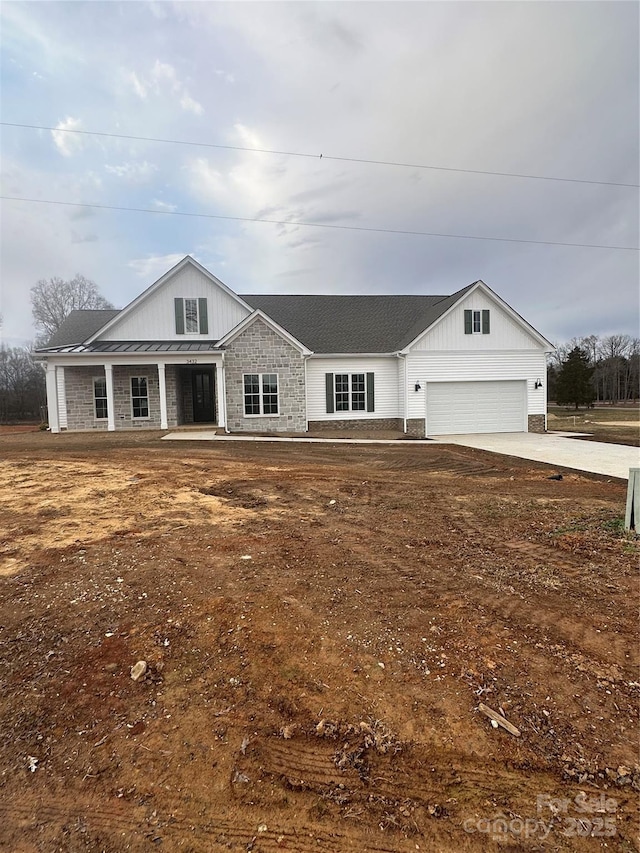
(596, 457)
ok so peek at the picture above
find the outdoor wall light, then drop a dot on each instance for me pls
(418, 386)
(538, 384)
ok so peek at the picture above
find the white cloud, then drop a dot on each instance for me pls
(153, 266)
(138, 86)
(134, 173)
(162, 72)
(164, 205)
(187, 103)
(163, 80)
(226, 75)
(67, 143)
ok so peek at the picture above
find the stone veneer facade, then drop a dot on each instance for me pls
(373, 424)
(258, 349)
(80, 399)
(536, 423)
(416, 427)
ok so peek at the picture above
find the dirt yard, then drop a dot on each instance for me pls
(618, 424)
(320, 624)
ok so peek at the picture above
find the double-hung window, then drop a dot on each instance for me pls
(350, 392)
(139, 397)
(100, 398)
(260, 393)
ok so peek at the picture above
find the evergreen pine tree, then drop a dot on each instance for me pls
(573, 386)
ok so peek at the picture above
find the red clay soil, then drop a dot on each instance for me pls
(320, 624)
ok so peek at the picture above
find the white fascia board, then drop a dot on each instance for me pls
(480, 285)
(158, 284)
(131, 359)
(275, 327)
(353, 355)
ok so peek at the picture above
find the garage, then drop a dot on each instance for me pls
(455, 408)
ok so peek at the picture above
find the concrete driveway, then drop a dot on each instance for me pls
(596, 457)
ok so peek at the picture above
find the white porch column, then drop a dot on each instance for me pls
(162, 385)
(52, 399)
(111, 417)
(222, 396)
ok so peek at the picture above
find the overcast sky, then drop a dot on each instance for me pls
(532, 88)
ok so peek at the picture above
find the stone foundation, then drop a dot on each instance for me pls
(373, 424)
(416, 427)
(535, 423)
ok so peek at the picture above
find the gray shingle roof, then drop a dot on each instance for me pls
(334, 324)
(324, 324)
(80, 325)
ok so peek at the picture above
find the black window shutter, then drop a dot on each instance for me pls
(485, 322)
(202, 314)
(179, 306)
(371, 404)
(329, 386)
(468, 322)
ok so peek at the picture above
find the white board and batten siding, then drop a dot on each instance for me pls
(386, 390)
(154, 318)
(506, 333)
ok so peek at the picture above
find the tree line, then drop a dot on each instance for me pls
(23, 394)
(592, 370)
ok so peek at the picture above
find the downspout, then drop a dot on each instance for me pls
(403, 356)
(306, 399)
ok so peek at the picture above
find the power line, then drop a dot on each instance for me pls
(315, 224)
(317, 156)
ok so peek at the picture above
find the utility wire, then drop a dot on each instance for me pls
(317, 156)
(316, 224)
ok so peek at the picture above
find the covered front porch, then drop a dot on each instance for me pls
(116, 393)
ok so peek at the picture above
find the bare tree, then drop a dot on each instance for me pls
(22, 384)
(54, 299)
(614, 352)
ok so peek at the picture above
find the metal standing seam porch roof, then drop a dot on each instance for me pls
(323, 323)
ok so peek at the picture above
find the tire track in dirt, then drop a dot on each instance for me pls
(177, 827)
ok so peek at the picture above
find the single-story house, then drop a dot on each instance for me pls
(189, 350)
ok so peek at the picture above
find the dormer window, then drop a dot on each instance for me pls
(476, 322)
(191, 316)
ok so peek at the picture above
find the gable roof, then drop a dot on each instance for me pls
(456, 297)
(322, 324)
(350, 324)
(186, 261)
(270, 322)
(80, 325)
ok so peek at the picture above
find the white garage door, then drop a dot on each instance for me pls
(454, 408)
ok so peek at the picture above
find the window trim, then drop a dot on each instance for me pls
(135, 417)
(350, 392)
(104, 417)
(366, 381)
(477, 321)
(201, 315)
(261, 396)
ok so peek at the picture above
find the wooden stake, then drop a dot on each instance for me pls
(499, 719)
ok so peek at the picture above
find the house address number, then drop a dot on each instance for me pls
(192, 361)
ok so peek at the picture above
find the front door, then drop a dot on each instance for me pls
(203, 396)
